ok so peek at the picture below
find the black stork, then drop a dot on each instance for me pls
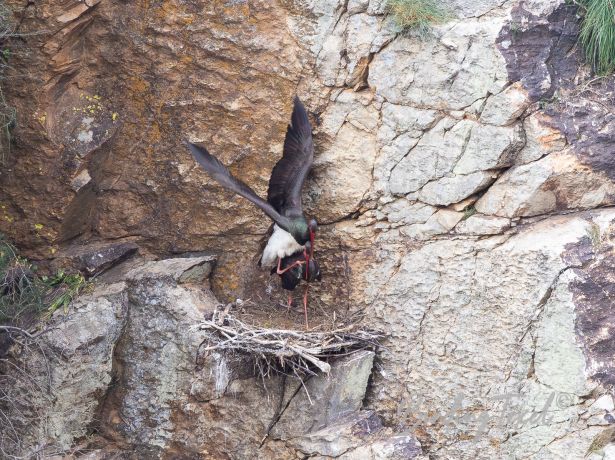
(294, 268)
(292, 240)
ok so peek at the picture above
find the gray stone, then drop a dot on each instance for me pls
(182, 269)
(448, 71)
(61, 380)
(398, 119)
(558, 361)
(506, 107)
(358, 437)
(549, 184)
(433, 156)
(158, 352)
(605, 402)
(335, 439)
(479, 224)
(406, 212)
(490, 147)
(95, 258)
(447, 190)
(439, 223)
(542, 138)
(396, 447)
(327, 398)
(357, 6)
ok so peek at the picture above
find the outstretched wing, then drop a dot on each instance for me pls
(223, 176)
(290, 172)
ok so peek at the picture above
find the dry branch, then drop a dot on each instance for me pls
(287, 351)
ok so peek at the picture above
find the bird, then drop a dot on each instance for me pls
(291, 229)
(297, 267)
(293, 270)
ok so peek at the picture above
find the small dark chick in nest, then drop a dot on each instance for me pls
(296, 267)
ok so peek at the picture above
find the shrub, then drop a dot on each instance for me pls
(7, 113)
(598, 33)
(417, 15)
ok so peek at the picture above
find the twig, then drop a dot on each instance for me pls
(279, 410)
(285, 351)
(17, 329)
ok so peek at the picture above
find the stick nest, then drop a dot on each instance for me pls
(290, 352)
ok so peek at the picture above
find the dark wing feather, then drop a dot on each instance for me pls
(290, 172)
(223, 176)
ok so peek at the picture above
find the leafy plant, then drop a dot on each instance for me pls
(417, 15)
(64, 288)
(598, 33)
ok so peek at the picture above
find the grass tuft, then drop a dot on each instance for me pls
(598, 34)
(417, 15)
(25, 296)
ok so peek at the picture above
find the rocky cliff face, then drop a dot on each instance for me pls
(463, 181)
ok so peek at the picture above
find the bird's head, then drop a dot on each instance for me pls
(302, 230)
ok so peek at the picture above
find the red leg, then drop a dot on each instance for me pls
(290, 301)
(305, 298)
(280, 271)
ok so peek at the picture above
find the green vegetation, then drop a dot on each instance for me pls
(546, 102)
(417, 15)
(593, 232)
(468, 212)
(25, 296)
(7, 113)
(598, 34)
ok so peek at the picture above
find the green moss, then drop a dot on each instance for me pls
(468, 212)
(598, 34)
(417, 15)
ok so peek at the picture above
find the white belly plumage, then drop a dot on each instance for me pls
(281, 244)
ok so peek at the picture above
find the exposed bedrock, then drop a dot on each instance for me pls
(464, 183)
(118, 377)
